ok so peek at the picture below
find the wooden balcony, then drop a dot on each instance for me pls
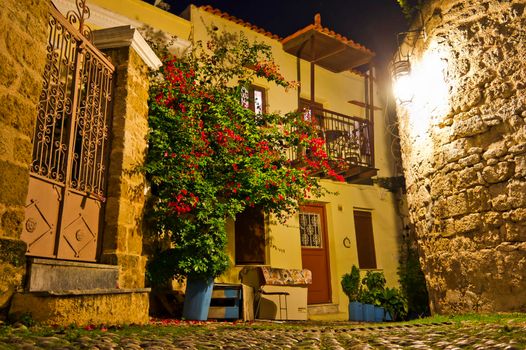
(347, 139)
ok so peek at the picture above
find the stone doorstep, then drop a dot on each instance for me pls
(325, 312)
(58, 275)
(322, 309)
(81, 307)
(77, 292)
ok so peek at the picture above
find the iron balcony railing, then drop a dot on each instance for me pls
(348, 139)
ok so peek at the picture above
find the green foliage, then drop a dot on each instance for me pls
(210, 157)
(27, 319)
(373, 291)
(412, 280)
(409, 7)
(394, 301)
(351, 284)
(374, 283)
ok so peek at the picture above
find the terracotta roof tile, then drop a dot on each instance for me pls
(260, 30)
(340, 37)
(250, 26)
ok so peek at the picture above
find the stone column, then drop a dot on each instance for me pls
(122, 242)
(463, 139)
(23, 56)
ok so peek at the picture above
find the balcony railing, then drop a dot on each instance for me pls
(347, 139)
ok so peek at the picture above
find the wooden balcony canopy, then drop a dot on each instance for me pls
(326, 48)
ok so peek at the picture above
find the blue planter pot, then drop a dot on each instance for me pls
(355, 311)
(197, 299)
(378, 314)
(368, 312)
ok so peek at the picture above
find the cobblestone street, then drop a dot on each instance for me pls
(509, 335)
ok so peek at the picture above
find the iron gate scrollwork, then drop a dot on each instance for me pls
(70, 145)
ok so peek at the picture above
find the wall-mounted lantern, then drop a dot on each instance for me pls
(402, 86)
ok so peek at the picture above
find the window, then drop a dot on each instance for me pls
(310, 230)
(250, 237)
(254, 98)
(311, 109)
(363, 226)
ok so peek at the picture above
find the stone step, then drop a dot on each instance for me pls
(317, 309)
(325, 312)
(340, 316)
(58, 275)
(82, 307)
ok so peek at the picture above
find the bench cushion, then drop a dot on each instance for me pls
(285, 277)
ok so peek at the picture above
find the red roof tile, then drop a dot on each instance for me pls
(318, 27)
(250, 26)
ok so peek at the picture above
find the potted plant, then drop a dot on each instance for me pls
(210, 157)
(374, 283)
(351, 287)
(395, 304)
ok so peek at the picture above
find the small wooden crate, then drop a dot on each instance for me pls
(226, 301)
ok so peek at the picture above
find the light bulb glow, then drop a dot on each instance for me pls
(402, 82)
(403, 88)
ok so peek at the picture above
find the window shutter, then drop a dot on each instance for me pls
(250, 237)
(363, 225)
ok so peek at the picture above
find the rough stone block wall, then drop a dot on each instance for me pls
(465, 156)
(111, 309)
(122, 243)
(23, 35)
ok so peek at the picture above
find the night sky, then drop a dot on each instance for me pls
(373, 23)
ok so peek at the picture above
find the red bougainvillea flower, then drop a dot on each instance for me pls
(209, 157)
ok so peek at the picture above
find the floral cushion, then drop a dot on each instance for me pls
(285, 277)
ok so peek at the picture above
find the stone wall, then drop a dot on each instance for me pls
(84, 309)
(23, 31)
(463, 140)
(122, 243)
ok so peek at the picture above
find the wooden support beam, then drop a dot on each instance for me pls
(364, 105)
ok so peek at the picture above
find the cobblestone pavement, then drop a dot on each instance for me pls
(460, 335)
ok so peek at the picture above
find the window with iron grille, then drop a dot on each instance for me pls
(310, 230)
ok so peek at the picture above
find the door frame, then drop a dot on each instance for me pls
(325, 238)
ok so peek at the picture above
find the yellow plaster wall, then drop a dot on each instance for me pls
(143, 12)
(334, 91)
(340, 224)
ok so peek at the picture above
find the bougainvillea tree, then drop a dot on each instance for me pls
(209, 157)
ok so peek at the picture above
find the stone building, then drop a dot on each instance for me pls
(72, 132)
(72, 200)
(463, 136)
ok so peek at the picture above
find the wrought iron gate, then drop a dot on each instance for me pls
(67, 182)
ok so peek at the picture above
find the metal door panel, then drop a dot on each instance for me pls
(80, 227)
(42, 211)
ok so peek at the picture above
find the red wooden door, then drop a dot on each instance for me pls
(315, 252)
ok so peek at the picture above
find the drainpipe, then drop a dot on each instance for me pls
(371, 111)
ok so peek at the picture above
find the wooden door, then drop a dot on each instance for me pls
(315, 252)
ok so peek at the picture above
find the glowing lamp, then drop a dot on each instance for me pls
(403, 87)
